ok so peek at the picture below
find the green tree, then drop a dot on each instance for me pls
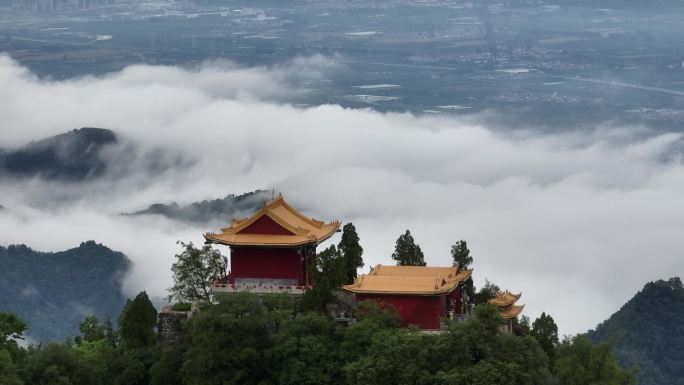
(280, 307)
(91, 330)
(227, 343)
(352, 251)
(378, 312)
(579, 362)
(134, 366)
(165, 370)
(394, 357)
(306, 351)
(111, 335)
(194, 271)
(327, 274)
(12, 328)
(487, 292)
(476, 352)
(56, 364)
(522, 325)
(545, 331)
(407, 252)
(460, 253)
(8, 370)
(139, 321)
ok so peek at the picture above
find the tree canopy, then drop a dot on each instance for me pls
(407, 252)
(194, 271)
(352, 252)
(327, 273)
(247, 339)
(138, 322)
(579, 362)
(486, 292)
(545, 331)
(12, 328)
(460, 253)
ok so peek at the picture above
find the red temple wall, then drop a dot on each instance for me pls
(257, 262)
(423, 311)
(265, 225)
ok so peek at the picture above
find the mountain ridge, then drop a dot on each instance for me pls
(648, 332)
(72, 156)
(209, 211)
(54, 291)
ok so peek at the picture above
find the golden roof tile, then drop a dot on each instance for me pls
(511, 311)
(504, 298)
(415, 280)
(303, 230)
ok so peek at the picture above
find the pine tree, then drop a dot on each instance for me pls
(138, 322)
(327, 273)
(351, 250)
(462, 259)
(461, 255)
(406, 252)
(545, 331)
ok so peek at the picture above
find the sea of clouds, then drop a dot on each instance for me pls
(577, 221)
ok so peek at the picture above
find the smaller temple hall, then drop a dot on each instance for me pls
(505, 301)
(271, 251)
(422, 295)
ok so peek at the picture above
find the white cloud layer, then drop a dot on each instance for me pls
(578, 221)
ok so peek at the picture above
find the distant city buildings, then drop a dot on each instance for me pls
(40, 6)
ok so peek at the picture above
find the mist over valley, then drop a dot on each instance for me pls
(549, 135)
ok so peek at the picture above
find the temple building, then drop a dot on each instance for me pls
(422, 295)
(271, 251)
(505, 301)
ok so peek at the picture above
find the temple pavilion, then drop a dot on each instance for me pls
(271, 251)
(422, 295)
(505, 301)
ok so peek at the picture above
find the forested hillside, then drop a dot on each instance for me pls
(649, 333)
(232, 206)
(246, 340)
(73, 156)
(53, 292)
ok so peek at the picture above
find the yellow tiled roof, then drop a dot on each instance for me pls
(417, 280)
(504, 298)
(511, 311)
(304, 230)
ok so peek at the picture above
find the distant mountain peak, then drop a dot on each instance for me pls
(210, 211)
(83, 137)
(93, 245)
(673, 283)
(72, 156)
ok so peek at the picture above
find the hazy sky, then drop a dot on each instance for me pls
(578, 221)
